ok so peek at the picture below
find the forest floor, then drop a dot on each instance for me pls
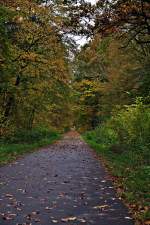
(62, 184)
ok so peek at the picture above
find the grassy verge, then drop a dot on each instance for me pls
(23, 142)
(130, 174)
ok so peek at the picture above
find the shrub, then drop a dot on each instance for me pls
(128, 129)
(132, 126)
(124, 140)
(31, 136)
(105, 134)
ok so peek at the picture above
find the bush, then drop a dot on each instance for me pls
(102, 135)
(129, 128)
(132, 126)
(124, 141)
(31, 136)
(25, 141)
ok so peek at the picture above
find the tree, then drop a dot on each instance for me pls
(38, 66)
(104, 79)
(121, 16)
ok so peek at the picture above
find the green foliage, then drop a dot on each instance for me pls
(88, 94)
(132, 125)
(31, 136)
(103, 134)
(104, 78)
(34, 82)
(124, 141)
(25, 141)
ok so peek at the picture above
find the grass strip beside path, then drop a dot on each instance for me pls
(131, 179)
(11, 151)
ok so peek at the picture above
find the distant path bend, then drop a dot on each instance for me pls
(60, 184)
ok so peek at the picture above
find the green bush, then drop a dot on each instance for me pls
(132, 126)
(102, 135)
(25, 141)
(124, 141)
(129, 128)
(106, 135)
(31, 136)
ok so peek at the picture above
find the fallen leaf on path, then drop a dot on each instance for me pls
(8, 195)
(54, 221)
(35, 213)
(22, 190)
(82, 220)
(48, 208)
(8, 216)
(61, 194)
(101, 206)
(103, 181)
(18, 209)
(128, 218)
(67, 219)
(37, 220)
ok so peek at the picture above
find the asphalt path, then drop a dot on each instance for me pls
(61, 184)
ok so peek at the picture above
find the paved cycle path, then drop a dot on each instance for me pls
(61, 184)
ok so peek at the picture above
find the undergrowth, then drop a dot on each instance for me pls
(123, 141)
(24, 141)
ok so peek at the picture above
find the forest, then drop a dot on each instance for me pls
(50, 84)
